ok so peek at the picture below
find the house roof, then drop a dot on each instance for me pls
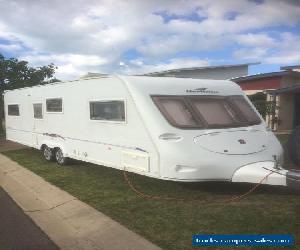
(285, 90)
(265, 75)
(290, 67)
(199, 68)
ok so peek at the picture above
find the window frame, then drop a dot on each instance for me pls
(19, 107)
(55, 112)
(107, 100)
(42, 110)
(168, 117)
(197, 115)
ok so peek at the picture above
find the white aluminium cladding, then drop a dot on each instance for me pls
(163, 85)
(174, 86)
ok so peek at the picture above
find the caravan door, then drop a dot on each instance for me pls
(37, 126)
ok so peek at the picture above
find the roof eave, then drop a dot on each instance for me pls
(265, 75)
(199, 68)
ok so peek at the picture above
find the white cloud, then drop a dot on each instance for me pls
(77, 60)
(284, 51)
(161, 46)
(69, 65)
(140, 67)
(287, 52)
(5, 34)
(10, 47)
(255, 40)
(250, 54)
(87, 35)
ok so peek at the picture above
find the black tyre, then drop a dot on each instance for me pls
(47, 153)
(294, 146)
(60, 158)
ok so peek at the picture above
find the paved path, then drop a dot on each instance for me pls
(17, 230)
(69, 223)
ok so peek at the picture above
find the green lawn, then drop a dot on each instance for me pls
(171, 224)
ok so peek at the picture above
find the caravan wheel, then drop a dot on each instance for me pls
(47, 153)
(59, 157)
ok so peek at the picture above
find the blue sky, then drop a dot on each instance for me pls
(133, 37)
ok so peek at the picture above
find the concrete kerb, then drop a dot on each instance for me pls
(70, 223)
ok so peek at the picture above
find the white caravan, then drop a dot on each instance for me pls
(168, 128)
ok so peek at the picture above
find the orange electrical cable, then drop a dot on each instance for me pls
(156, 197)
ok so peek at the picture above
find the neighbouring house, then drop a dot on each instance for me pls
(282, 96)
(219, 72)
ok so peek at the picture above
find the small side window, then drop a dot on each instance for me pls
(107, 111)
(54, 105)
(13, 110)
(38, 110)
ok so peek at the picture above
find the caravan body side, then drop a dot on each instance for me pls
(115, 144)
(146, 142)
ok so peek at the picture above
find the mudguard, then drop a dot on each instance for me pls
(255, 173)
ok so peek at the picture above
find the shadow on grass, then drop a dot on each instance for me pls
(236, 188)
(205, 189)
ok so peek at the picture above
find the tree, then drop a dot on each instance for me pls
(18, 74)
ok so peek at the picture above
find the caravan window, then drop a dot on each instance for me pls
(13, 110)
(244, 107)
(216, 112)
(176, 111)
(207, 111)
(38, 110)
(54, 105)
(107, 111)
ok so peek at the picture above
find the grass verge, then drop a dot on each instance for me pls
(171, 224)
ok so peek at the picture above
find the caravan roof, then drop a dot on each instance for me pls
(164, 85)
(179, 86)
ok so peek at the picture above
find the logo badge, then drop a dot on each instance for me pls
(201, 90)
(242, 141)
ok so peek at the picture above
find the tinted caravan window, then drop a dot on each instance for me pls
(38, 111)
(247, 111)
(107, 110)
(207, 111)
(216, 112)
(13, 110)
(54, 105)
(176, 111)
